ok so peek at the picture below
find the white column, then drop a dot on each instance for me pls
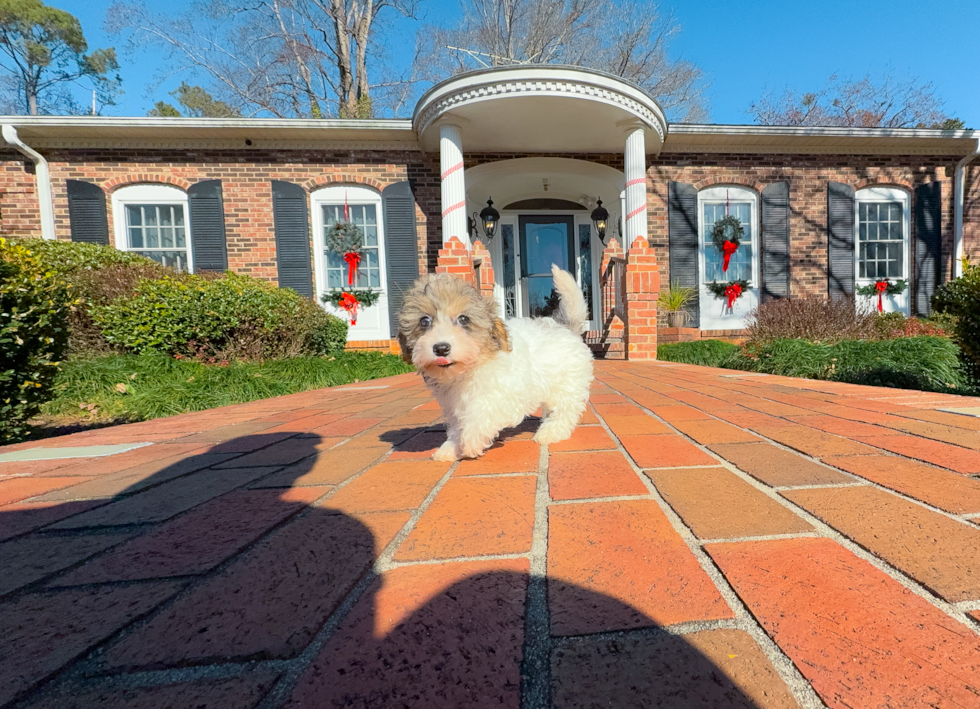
(453, 185)
(636, 185)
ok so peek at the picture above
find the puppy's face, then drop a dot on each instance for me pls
(446, 328)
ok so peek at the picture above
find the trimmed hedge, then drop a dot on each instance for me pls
(234, 317)
(34, 307)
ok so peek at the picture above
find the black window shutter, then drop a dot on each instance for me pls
(292, 237)
(775, 241)
(401, 245)
(840, 240)
(928, 244)
(86, 213)
(208, 226)
(682, 233)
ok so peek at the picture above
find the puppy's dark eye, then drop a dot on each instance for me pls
(462, 321)
(425, 322)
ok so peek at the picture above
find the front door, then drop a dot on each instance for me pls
(545, 240)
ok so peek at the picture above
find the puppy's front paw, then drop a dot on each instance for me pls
(446, 452)
(553, 433)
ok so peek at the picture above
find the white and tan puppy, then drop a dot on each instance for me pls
(488, 375)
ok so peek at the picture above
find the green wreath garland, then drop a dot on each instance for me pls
(894, 288)
(718, 289)
(366, 298)
(728, 228)
(344, 237)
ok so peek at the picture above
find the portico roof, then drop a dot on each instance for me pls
(541, 109)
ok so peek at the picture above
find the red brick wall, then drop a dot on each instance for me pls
(246, 183)
(246, 176)
(807, 176)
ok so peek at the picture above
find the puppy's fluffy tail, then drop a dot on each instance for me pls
(572, 311)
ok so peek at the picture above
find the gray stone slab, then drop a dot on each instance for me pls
(76, 452)
(972, 411)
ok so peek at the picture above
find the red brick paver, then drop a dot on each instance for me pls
(305, 551)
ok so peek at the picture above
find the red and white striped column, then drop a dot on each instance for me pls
(636, 185)
(453, 185)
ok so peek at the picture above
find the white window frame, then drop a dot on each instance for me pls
(375, 326)
(712, 317)
(144, 194)
(902, 302)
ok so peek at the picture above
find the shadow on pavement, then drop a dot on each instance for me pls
(209, 585)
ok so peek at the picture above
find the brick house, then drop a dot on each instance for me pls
(825, 210)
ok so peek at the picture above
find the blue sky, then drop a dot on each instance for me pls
(744, 47)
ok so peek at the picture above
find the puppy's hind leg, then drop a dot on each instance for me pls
(559, 421)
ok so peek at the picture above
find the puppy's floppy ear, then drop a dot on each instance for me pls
(499, 333)
(405, 347)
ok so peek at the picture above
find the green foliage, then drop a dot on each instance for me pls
(120, 388)
(99, 275)
(197, 103)
(34, 305)
(235, 317)
(67, 257)
(708, 353)
(960, 298)
(924, 363)
(46, 48)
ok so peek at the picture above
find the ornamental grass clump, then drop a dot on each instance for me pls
(34, 307)
(823, 320)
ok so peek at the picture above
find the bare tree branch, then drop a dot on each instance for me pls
(628, 38)
(849, 103)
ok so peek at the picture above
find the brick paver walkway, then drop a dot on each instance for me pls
(705, 539)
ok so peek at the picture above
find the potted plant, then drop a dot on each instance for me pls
(672, 302)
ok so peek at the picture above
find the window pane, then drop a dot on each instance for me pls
(152, 237)
(510, 290)
(150, 215)
(180, 238)
(880, 235)
(166, 215)
(135, 238)
(740, 265)
(133, 215)
(178, 214)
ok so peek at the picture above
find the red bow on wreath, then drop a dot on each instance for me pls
(732, 293)
(727, 249)
(881, 287)
(353, 258)
(350, 303)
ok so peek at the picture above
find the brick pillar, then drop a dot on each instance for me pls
(642, 294)
(483, 269)
(455, 259)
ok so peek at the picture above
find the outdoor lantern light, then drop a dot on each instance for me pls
(599, 217)
(489, 218)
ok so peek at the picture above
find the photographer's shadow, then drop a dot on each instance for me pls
(243, 568)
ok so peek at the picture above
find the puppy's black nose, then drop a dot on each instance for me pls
(441, 349)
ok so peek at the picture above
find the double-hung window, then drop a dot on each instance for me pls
(882, 217)
(152, 220)
(364, 216)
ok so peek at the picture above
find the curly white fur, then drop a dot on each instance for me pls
(548, 366)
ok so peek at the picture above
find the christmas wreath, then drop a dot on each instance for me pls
(726, 235)
(733, 290)
(351, 300)
(881, 287)
(347, 240)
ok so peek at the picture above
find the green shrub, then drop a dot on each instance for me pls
(99, 275)
(961, 298)
(68, 257)
(709, 353)
(234, 317)
(923, 363)
(34, 306)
